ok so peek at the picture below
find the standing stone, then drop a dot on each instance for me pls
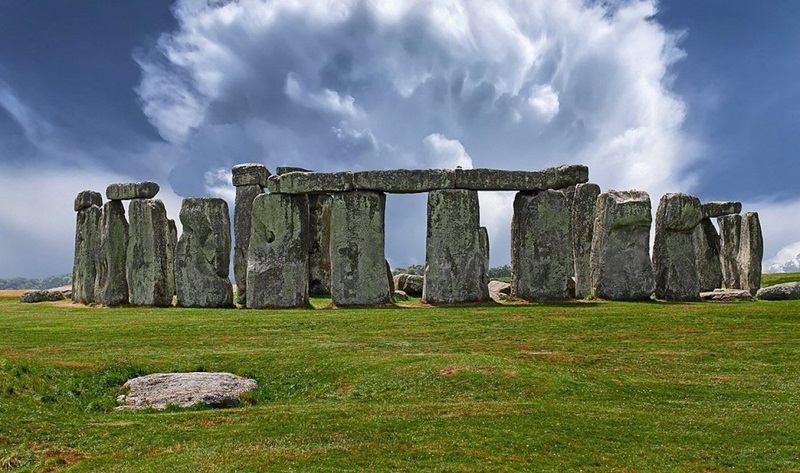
(751, 252)
(455, 253)
(250, 180)
(673, 251)
(202, 257)
(483, 233)
(541, 246)
(319, 256)
(358, 261)
(583, 207)
(148, 262)
(277, 259)
(111, 286)
(620, 261)
(173, 245)
(87, 246)
(730, 232)
(706, 250)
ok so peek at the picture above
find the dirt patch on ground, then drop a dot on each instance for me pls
(11, 292)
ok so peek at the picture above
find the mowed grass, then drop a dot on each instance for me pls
(530, 387)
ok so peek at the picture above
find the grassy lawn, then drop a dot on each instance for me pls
(535, 387)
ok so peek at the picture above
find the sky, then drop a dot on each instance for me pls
(663, 96)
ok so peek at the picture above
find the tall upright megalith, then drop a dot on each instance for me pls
(277, 259)
(673, 251)
(250, 179)
(620, 261)
(583, 210)
(541, 246)
(730, 232)
(751, 252)
(149, 263)
(358, 261)
(87, 245)
(202, 256)
(111, 286)
(455, 250)
(319, 256)
(707, 257)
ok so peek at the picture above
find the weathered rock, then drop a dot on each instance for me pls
(402, 181)
(751, 252)
(411, 284)
(88, 229)
(455, 258)
(389, 278)
(111, 286)
(148, 262)
(202, 257)
(541, 246)
(723, 295)
(250, 174)
(319, 255)
(400, 296)
(86, 199)
(673, 251)
(358, 261)
(499, 287)
(310, 183)
(160, 390)
(242, 218)
(173, 245)
(287, 169)
(730, 232)
(779, 292)
(620, 261)
(483, 235)
(706, 250)
(583, 206)
(718, 209)
(41, 295)
(501, 180)
(277, 261)
(132, 190)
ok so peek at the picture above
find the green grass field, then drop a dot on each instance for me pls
(533, 387)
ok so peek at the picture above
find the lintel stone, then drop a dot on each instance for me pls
(405, 181)
(310, 183)
(132, 190)
(718, 209)
(86, 199)
(503, 180)
(250, 174)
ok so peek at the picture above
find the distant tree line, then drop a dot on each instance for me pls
(496, 272)
(44, 283)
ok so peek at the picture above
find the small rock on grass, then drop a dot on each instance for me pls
(41, 295)
(160, 390)
(780, 292)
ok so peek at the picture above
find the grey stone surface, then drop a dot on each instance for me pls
(277, 261)
(620, 261)
(311, 183)
(402, 181)
(718, 209)
(483, 235)
(287, 169)
(41, 295)
(400, 296)
(411, 284)
(358, 261)
(132, 190)
(242, 218)
(454, 253)
(730, 232)
(673, 251)
(87, 249)
(541, 246)
(202, 256)
(706, 250)
(111, 285)
(173, 245)
(86, 199)
(499, 287)
(583, 206)
(319, 254)
(389, 278)
(149, 263)
(751, 252)
(723, 295)
(502, 180)
(249, 174)
(160, 390)
(779, 292)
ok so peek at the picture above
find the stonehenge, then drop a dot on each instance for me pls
(298, 233)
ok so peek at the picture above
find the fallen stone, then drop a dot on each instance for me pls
(202, 256)
(502, 180)
(149, 263)
(730, 233)
(454, 253)
(403, 181)
(249, 174)
(358, 261)
(161, 390)
(409, 283)
(319, 254)
(718, 209)
(726, 295)
(111, 286)
(242, 218)
(41, 295)
(88, 229)
(277, 260)
(132, 190)
(620, 261)
(541, 246)
(751, 252)
(706, 250)
(400, 296)
(673, 251)
(583, 213)
(499, 287)
(310, 183)
(86, 199)
(779, 292)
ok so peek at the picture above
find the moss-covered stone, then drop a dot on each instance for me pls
(149, 263)
(242, 218)
(87, 250)
(674, 259)
(706, 251)
(111, 287)
(583, 212)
